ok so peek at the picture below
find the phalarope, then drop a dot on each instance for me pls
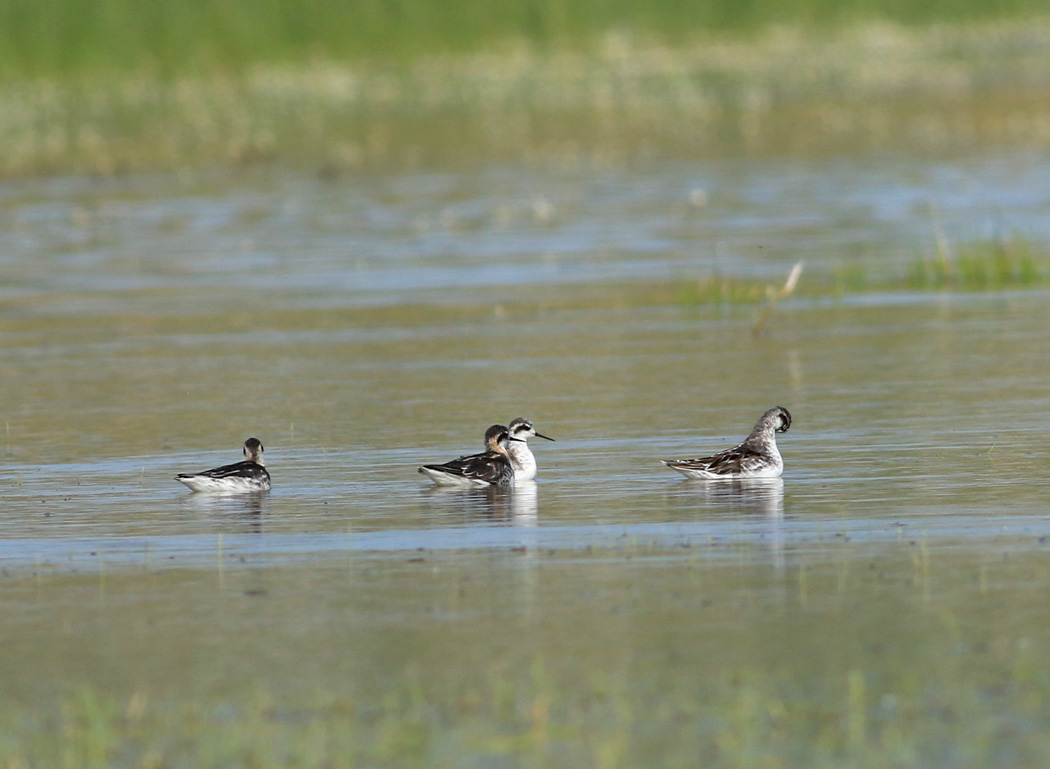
(249, 475)
(756, 457)
(521, 458)
(490, 468)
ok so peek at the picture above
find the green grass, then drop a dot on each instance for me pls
(998, 264)
(974, 266)
(788, 90)
(721, 290)
(66, 37)
(741, 717)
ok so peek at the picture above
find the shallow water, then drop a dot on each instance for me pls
(363, 326)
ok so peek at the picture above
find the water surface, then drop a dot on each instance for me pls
(364, 325)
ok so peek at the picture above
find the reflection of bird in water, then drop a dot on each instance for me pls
(473, 502)
(521, 458)
(515, 502)
(747, 496)
(490, 468)
(523, 502)
(240, 477)
(756, 457)
(740, 499)
(246, 507)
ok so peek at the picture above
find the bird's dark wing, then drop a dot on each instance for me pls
(729, 462)
(486, 468)
(236, 470)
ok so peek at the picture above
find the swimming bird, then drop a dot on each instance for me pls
(249, 475)
(490, 468)
(756, 457)
(521, 458)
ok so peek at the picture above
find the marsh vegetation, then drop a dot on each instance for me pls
(624, 97)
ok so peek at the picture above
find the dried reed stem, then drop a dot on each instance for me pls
(776, 296)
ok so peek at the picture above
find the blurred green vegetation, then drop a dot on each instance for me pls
(117, 87)
(975, 266)
(981, 265)
(984, 265)
(164, 37)
(740, 717)
(785, 90)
